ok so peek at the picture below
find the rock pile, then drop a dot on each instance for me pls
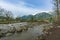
(50, 34)
(12, 30)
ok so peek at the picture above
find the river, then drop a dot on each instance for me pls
(26, 35)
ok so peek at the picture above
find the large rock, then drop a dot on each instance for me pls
(12, 30)
(18, 29)
(9, 34)
(3, 32)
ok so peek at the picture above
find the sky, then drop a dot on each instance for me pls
(26, 7)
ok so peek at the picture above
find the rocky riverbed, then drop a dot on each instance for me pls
(20, 31)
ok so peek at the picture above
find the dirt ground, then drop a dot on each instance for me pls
(54, 34)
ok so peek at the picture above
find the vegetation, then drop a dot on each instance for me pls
(7, 17)
(57, 10)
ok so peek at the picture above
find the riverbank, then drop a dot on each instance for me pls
(22, 31)
(9, 22)
(18, 31)
(50, 34)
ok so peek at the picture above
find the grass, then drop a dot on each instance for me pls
(8, 22)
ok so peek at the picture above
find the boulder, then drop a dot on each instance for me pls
(12, 30)
(19, 29)
(9, 34)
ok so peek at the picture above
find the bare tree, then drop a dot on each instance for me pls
(57, 9)
(8, 15)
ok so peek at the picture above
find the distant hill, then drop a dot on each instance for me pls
(42, 15)
(38, 16)
(28, 17)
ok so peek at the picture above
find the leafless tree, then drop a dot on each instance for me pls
(57, 9)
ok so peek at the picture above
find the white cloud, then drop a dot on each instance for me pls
(20, 8)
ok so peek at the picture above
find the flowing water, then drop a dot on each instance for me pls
(26, 35)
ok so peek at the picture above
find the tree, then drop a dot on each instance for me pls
(9, 15)
(57, 9)
(1, 12)
(30, 18)
(17, 18)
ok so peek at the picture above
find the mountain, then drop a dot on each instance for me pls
(42, 15)
(38, 16)
(28, 17)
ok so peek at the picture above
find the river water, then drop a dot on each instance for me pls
(26, 35)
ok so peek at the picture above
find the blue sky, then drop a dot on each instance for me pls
(26, 7)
